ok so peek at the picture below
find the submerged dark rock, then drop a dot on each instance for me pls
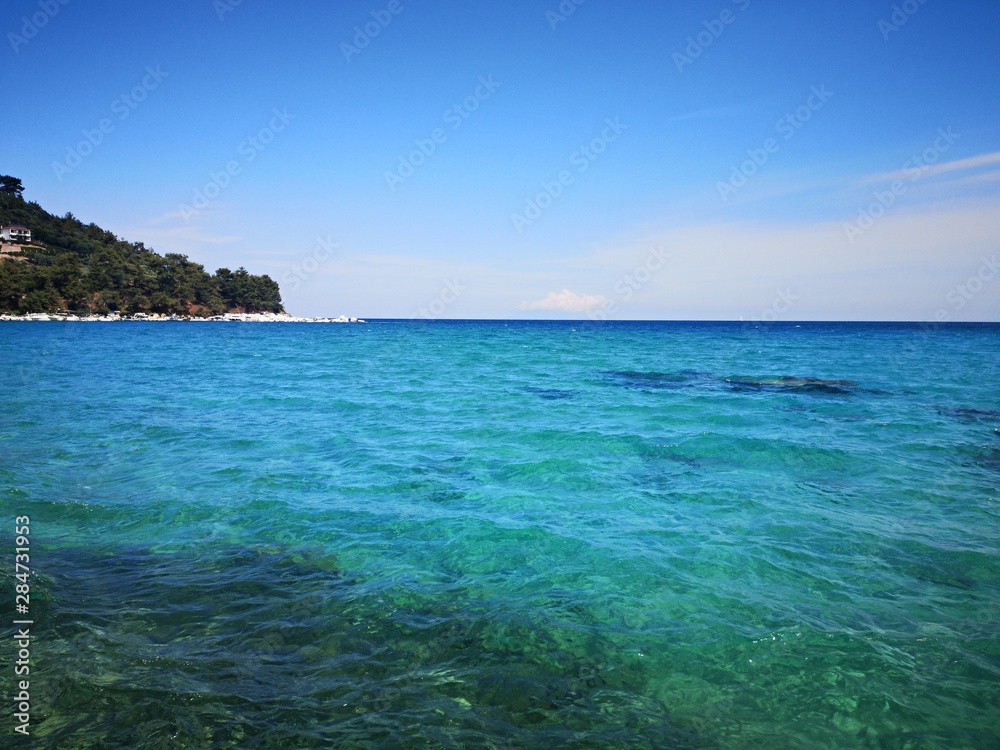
(550, 394)
(672, 381)
(216, 642)
(657, 381)
(974, 416)
(989, 459)
(790, 383)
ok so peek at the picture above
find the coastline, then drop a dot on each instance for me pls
(154, 318)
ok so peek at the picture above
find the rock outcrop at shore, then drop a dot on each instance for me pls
(156, 318)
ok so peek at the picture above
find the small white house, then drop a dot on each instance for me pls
(15, 234)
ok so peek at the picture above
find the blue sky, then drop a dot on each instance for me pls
(531, 159)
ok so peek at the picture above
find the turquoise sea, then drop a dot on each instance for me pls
(504, 534)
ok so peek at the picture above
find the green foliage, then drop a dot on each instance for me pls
(88, 269)
(248, 292)
(11, 186)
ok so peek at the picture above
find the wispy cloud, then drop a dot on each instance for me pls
(933, 170)
(169, 216)
(977, 179)
(567, 301)
(712, 113)
(217, 209)
(188, 235)
(901, 269)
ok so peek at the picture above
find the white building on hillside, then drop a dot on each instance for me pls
(15, 234)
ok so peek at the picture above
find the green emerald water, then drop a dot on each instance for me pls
(504, 534)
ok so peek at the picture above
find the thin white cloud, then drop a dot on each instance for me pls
(903, 267)
(169, 216)
(712, 113)
(973, 162)
(214, 209)
(921, 184)
(567, 301)
(187, 234)
(977, 179)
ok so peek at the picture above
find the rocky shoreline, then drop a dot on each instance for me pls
(154, 318)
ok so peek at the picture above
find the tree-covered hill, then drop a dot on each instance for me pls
(83, 268)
